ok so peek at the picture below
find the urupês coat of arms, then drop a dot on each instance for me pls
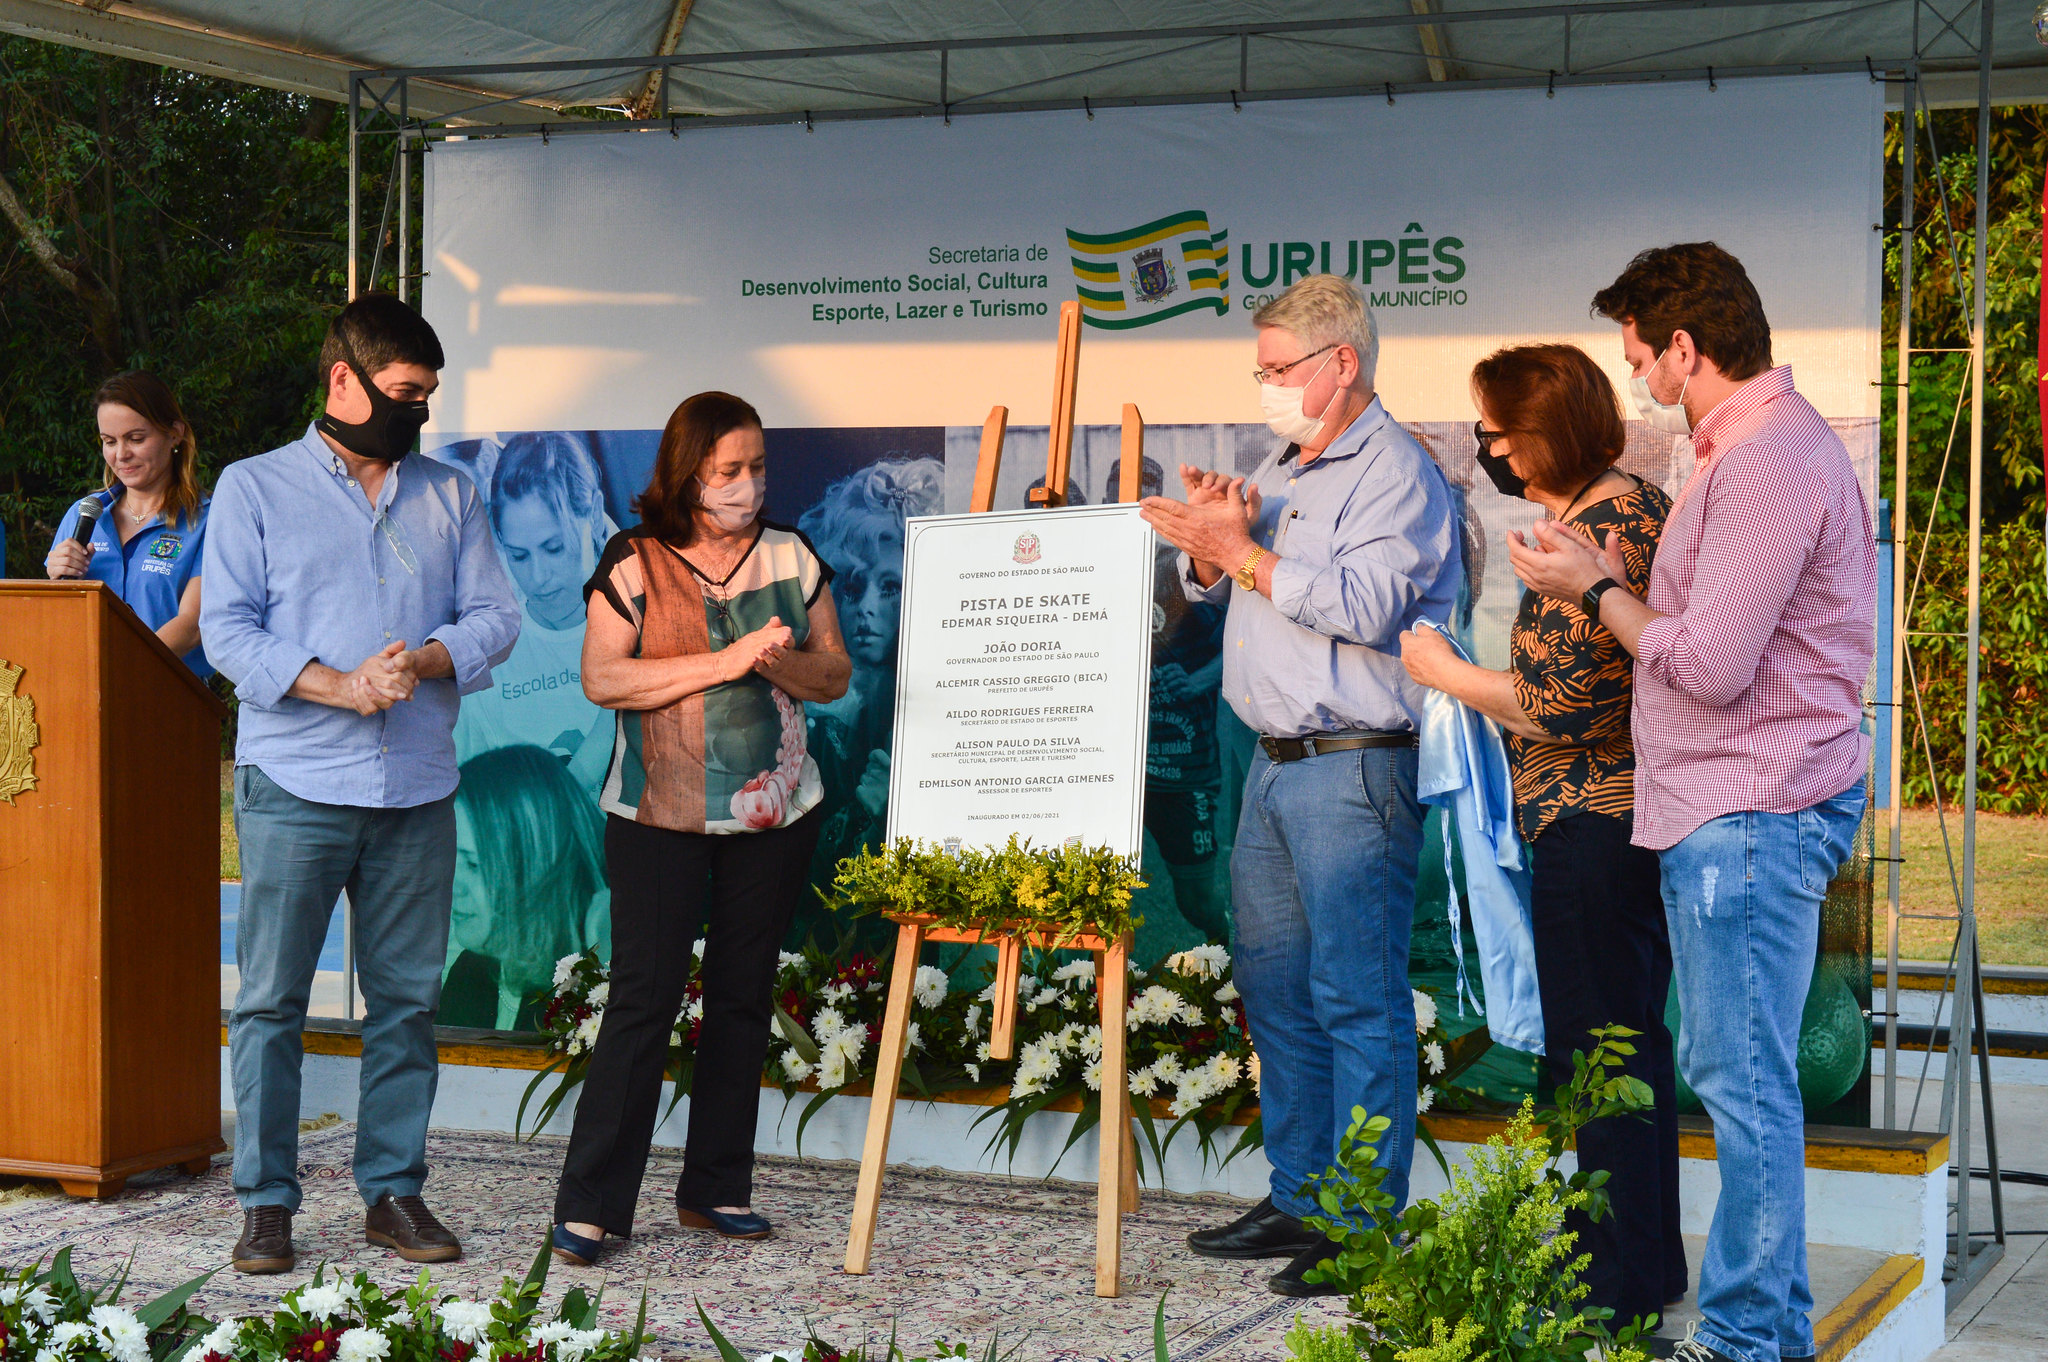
(1026, 549)
(1152, 275)
(18, 735)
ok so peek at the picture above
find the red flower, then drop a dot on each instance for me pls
(315, 1345)
(457, 1351)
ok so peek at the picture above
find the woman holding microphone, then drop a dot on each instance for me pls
(148, 540)
(707, 630)
(1550, 431)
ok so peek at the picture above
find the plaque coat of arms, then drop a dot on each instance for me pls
(18, 735)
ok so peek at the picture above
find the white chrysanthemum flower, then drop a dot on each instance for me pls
(973, 1021)
(1042, 997)
(1228, 993)
(326, 1301)
(1254, 1067)
(554, 1331)
(1076, 969)
(981, 1052)
(586, 1031)
(796, 1066)
(911, 1039)
(973, 1071)
(1433, 1056)
(792, 960)
(565, 970)
(1425, 1012)
(929, 987)
(1090, 1041)
(62, 1336)
(987, 995)
(465, 1321)
(123, 1335)
(1144, 1082)
(1091, 1074)
(222, 1341)
(34, 1301)
(1425, 1099)
(697, 948)
(1200, 962)
(1168, 1068)
(1038, 1065)
(827, 1024)
(579, 1344)
(873, 986)
(1070, 1002)
(695, 1011)
(601, 994)
(1157, 1004)
(362, 1345)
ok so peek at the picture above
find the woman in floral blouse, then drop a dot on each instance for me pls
(1550, 431)
(708, 630)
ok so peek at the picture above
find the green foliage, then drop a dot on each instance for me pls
(50, 1314)
(187, 225)
(1944, 240)
(816, 1349)
(1064, 891)
(1487, 1272)
(2012, 676)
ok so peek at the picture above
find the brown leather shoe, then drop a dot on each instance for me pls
(266, 1242)
(405, 1225)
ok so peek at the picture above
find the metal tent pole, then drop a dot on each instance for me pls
(404, 163)
(1901, 459)
(355, 207)
(1972, 1261)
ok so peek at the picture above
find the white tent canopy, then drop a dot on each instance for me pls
(782, 58)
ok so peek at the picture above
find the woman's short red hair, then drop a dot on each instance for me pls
(1559, 410)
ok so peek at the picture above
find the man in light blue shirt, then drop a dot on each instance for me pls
(1339, 541)
(353, 599)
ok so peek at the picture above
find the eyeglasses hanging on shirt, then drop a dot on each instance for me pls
(381, 521)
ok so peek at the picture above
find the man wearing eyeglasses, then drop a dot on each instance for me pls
(1342, 539)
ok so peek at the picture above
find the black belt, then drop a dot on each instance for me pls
(1316, 744)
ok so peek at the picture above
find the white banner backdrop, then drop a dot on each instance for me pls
(902, 272)
(873, 288)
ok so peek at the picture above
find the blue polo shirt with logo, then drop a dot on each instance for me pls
(151, 570)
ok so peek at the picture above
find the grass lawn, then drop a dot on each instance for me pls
(2012, 882)
(2012, 887)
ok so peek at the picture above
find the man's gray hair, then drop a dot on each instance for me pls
(1326, 309)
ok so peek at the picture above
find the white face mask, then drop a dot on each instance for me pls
(734, 505)
(1282, 408)
(1665, 416)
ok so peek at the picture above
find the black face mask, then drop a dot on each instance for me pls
(1503, 477)
(392, 428)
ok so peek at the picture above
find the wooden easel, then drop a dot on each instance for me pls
(1117, 1169)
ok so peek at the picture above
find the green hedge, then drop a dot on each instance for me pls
(2012, 678)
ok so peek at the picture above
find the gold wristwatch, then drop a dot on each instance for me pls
(1248, 575)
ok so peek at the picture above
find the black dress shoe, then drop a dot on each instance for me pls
(266, 1242)
(1288, 1280)
(1261, 1232)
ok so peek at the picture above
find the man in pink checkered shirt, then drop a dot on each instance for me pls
(1751, 651)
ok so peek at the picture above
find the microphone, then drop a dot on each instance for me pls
(88, 516)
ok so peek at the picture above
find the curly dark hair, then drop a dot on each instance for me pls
(1700, 289)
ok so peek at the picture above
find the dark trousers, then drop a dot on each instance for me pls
(667, 887)
(1603, 956)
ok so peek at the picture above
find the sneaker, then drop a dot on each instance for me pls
(266, 1242)
(405, 1225)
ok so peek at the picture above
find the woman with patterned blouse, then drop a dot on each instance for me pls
(708, 628)
(1550, 431)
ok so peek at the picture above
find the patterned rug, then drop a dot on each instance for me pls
(957, 1256)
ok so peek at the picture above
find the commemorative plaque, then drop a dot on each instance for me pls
(1023, 678)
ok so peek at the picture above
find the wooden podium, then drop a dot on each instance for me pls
(109, 894)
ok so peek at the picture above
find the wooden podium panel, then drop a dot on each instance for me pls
(109, 899)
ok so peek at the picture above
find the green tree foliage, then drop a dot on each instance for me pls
(1944, 237)
(150, 218)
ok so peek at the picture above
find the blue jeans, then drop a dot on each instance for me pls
(398, 866)
(1743, 896)
(1323, 884)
